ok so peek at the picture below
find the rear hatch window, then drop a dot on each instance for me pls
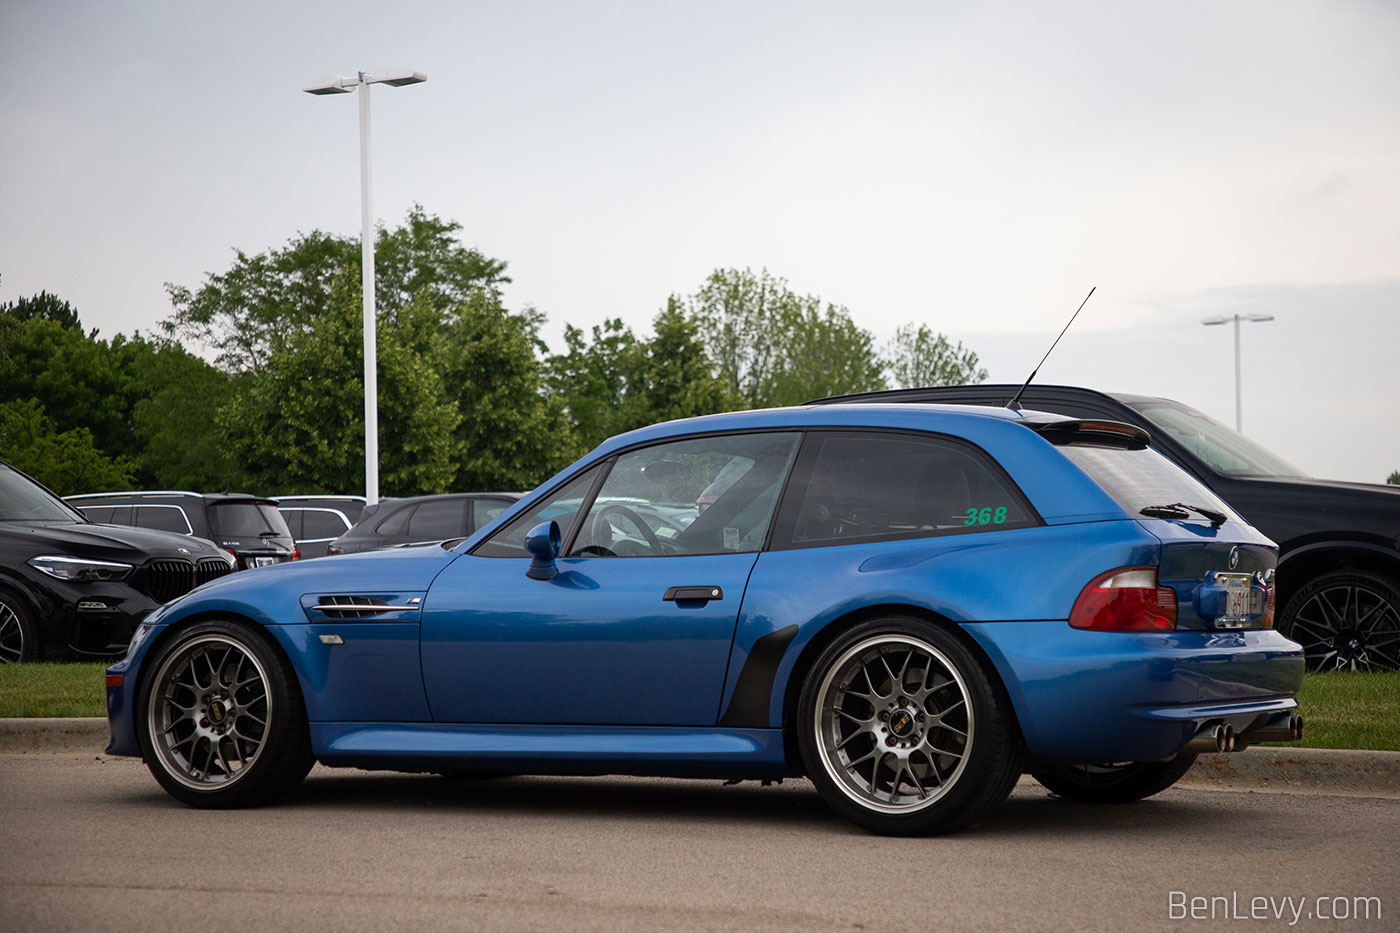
(247, 520)
(1144, 479)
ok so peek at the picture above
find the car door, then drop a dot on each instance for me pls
(636, 627)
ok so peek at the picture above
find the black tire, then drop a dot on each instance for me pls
(220, 718)
(1347, 620)
(937, 715)
(1113, 783)
(19, 636)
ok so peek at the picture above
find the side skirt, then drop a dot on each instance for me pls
(640, 750)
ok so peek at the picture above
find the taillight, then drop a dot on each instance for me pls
(1125, 600)
(296, 553)
(332, 550)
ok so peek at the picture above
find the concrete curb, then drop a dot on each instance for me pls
(18, 736)
(1297, 770)
(1301, 770)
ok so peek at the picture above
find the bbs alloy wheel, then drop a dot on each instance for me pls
(221, 722)
(905, 731)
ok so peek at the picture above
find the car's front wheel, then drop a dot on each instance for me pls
(1113, 783)
(1346, 620)
(905, 731)
(18, 639)
(221, 720)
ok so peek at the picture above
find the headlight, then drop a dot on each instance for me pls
(77, 569)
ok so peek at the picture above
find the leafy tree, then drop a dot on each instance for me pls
(65, 461)
(1394, 478)
(246, 313)
(618, 382)
(919, 357)
(181, 445)
(510, 436)
(775, 347)
(298, 424)
(44, 306)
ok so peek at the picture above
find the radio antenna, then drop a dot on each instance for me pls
(1017, 397)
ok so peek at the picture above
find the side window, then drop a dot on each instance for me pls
(98, 513)
(395, 524)
(485, 511)
(320, 525)
(438, 518)
(870, 487)
(562, 505)
(123, 515)
(294, 518)
(163, 518)
(705, 495)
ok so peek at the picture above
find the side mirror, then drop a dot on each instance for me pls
(543, 543)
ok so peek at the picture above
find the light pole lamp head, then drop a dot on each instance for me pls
(331, 84)
(1258, 317)
(395, 77)
(1215, 320)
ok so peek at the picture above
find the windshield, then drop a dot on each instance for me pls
(22, 500)
(1222, 449)
(247, 520)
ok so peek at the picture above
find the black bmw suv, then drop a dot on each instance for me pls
(1339, 543)
(69, 586)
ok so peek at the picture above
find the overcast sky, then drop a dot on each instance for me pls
(974, 167)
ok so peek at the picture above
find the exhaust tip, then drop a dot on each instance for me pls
(1295, 728)
(1229, 738)
(1220, 739)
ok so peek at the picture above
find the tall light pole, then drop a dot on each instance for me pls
(338, 84)
(1220, 319)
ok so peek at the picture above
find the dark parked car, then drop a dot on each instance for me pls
(316, 521)
(69, 586)
(419, 519)
(248, 526)
(1339, 543)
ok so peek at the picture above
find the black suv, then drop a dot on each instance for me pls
(69, 586)
(1339, 543)
(421, 519)
(248, 526)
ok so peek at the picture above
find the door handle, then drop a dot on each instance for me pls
(698, 594)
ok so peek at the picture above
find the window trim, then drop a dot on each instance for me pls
(785, 519)
(317, 508)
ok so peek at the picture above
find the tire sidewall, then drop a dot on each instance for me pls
(284, 743)
(30, 647)
(985, 761)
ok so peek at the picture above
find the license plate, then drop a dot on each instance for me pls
(264, 561)
(1237, 599)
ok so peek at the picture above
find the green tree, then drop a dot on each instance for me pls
(775, 347)
(45, 306)
(66, 461)
(919, 357)
(246, 313)
(618, 382)
(1394, 478)
(298, 424)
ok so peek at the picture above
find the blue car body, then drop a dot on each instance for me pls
(593, 672)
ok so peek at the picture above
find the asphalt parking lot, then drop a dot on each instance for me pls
(91, 843)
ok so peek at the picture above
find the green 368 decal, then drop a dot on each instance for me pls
(985, 515)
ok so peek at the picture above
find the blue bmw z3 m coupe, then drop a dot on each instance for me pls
(912, 605)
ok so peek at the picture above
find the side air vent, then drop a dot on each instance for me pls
(387, 607)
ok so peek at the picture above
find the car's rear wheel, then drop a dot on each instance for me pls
(18, 640)
(221, 720)
(1113, 783)
(1346, 620)
(905, 731)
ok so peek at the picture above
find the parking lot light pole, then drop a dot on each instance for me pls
(337, 84)
(1237, 318)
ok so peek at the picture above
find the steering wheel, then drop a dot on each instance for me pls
(634, 518)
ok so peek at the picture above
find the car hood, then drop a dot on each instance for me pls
(1319, 505)
(108, 542)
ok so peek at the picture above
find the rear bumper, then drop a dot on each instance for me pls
(1090, 697)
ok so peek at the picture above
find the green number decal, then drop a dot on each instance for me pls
(984, 517)
(1000, 516)
(971, 517)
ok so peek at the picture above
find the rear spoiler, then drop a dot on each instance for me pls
(1093, 433)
